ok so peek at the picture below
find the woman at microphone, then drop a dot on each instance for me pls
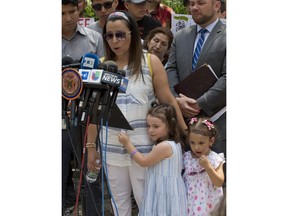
(147, 80)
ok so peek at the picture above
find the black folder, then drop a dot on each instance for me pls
(197, 83)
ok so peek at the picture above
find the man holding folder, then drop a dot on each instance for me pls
(204, 43)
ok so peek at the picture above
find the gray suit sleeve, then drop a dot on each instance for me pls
(215, 98)
(171, 68)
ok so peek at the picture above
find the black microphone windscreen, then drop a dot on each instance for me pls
(77, 62)
(122, 72)
(102, 66)
(66, 60)
(111, 66)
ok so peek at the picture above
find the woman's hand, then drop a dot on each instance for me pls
(93, 155)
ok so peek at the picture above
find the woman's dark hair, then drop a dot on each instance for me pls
(73, 2)
(167, 114)
(135, 49)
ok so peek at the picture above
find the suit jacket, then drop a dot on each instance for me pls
(179, 65)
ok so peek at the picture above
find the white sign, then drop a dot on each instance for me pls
(86, 21)
(180, 21)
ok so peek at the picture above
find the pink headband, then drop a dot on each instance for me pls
(208, 123)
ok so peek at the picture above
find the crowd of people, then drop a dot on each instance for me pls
(173, 162)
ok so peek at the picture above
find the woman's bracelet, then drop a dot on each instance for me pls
(133, 153)
(90, 145)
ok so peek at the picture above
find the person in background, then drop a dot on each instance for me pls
(222, 11)
(123, 46)
(165, 192)
(203, 168)
(158, 42)
(102, 9)
(188, 6)
(76, 41)
(160, 12)
(121, 5)
(82, 5)
(138, 9)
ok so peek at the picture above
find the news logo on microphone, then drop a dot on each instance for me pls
(124, 85)
(111, 79)
(91, 76)
(89, 61)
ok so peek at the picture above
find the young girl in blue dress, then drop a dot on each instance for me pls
(164, 190)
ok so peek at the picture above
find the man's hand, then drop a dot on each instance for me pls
(188, 106)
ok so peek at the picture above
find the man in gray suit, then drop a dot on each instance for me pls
(213, 52)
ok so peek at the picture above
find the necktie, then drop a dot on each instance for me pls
(198, 48)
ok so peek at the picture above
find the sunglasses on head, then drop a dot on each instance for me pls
(119, 35)
(106, 5)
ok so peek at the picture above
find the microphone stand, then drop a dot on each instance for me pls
(93, 107)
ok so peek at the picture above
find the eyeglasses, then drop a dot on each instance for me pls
(106, 5)
(119, 35)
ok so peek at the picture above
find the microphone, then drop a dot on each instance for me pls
(106, 73)
(112, 66)
(89, 61)
(102, 66)
(88, 65)
(91, 73)
(68, 62)
(111, 76)
(124, 82)
(116, 77)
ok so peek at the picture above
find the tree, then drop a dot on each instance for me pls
(89, 12)
(176, 5)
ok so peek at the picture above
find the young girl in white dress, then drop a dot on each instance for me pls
(203, 175)
(164, 189)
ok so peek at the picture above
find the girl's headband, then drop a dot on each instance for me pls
(208, 123)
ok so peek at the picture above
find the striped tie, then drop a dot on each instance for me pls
(198, 48)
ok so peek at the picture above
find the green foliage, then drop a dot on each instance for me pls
(176, 5)
(89, 12)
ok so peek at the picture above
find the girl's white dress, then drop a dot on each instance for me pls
(201, 193)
